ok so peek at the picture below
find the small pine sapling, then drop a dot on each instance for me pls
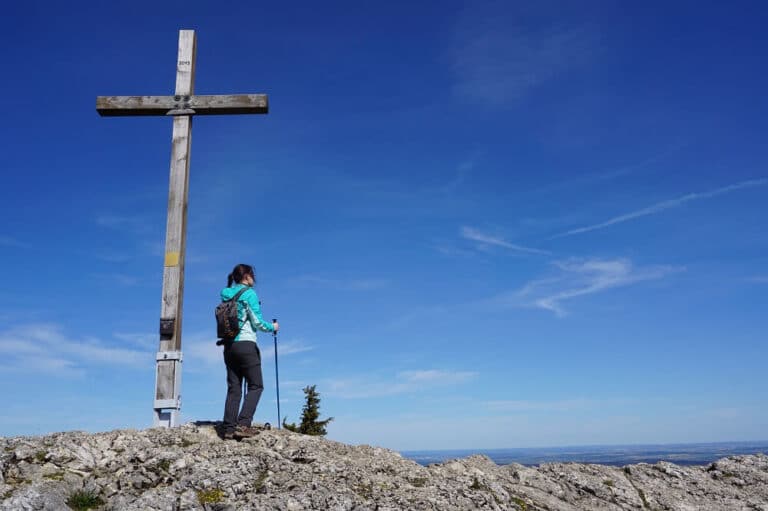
(310, 425)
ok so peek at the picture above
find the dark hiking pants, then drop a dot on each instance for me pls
(243, 360)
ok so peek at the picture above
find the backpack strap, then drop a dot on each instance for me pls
(246, 288)
(234, 299)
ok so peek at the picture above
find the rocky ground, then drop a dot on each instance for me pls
(191, 468)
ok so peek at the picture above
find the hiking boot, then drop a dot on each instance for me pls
(245, 432)
(229, 435)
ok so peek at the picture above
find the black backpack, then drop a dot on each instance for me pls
(227, 324)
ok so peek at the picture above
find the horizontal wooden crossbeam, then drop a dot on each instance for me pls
(111, 106)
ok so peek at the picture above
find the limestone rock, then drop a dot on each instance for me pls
(191, 468)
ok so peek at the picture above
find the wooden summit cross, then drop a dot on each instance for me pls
(182, 106)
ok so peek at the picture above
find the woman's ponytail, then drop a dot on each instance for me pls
(239, 272)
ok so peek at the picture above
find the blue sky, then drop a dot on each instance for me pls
(481, 224)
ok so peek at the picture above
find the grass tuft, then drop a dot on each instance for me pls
(259, 484)
(477, 485)
(83, 500)
(211, 496)
(643, 499)
(520, 503)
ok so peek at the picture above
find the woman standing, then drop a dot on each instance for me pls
(241, 354)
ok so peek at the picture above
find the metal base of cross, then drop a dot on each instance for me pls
(168, 411)
(166, 418)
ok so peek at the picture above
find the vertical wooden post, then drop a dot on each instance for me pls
(168, 380)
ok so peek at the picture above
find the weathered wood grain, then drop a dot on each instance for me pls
(166, 380)
(222, 104)
(176, 228)
(185, 64)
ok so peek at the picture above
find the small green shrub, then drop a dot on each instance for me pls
(56, 476)
(520, 503)
(310, 414)
(608, 483)
(418, 482)
(477, 485)
(364, 490)
(258, 484)
(83, 500)
(40, 456)
(211, 496)
(165, 465)
(643, 499)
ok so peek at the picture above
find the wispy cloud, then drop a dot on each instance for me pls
(139, 225)
(435, 376)
(485, 240)
(758, 279)
(664, 205)
(416, 315)
(594, 178)
(33, 347)
(565, 405)
(402, 383)
(129, 223)
(447, 249)
(579, 422)
(462, 171)
(111, 256)
(497, 62)
(142, 340)
(7, 241)
(121, 279)
(365, 284)
(201, 352)
(284, 348)
(580, 277)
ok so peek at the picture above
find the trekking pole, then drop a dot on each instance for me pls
(277, 377)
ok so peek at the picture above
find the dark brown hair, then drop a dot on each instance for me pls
(239, 272)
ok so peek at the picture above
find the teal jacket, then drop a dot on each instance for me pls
(248, 312)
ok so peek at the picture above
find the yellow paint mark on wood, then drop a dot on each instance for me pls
(171, 258)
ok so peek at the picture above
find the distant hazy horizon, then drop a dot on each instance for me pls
(681, 454)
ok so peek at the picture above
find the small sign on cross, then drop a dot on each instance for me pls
(181, 106)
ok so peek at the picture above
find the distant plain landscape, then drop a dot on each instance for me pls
(616, 455)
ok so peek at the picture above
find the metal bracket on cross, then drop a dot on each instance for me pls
(181, 111)
(181, 106)
(169, 355)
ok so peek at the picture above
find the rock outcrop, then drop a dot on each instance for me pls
(191, 468)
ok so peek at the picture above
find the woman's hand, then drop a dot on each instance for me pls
(275, 325)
